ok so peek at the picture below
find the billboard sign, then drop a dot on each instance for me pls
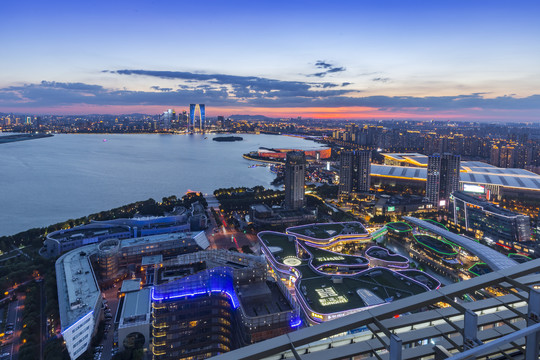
(476, 189)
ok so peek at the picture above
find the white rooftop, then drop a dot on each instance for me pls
(200, 239)
(473, 172)
(78, 291)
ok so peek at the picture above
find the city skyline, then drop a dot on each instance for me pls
(359, 60)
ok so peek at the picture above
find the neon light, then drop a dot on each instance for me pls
(437, 251)
(216, 280)
(181, 295)
(295, 323)
(281, 267)
(400, 264)
(78, 321)
(518, 254)
(478, 263)
(391, 226)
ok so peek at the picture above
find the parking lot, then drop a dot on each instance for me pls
(105, 350)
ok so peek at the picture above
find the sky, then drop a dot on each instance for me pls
(443, 60)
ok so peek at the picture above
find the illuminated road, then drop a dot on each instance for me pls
(14, 317)
(222, 236)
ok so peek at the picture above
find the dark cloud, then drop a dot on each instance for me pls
(346, 84)
(242, 87)
(381, 79)
(159, 88)
(327, 68)
(226, 90)
(71, 86)
(321, 64)
(336, 69)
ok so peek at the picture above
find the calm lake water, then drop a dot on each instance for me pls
(49, 180)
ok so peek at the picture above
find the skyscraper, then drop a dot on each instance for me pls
(193, 109)
(354, 172)
(168, 117)
(346, 169)
(442, 178)
(363, 170)
(295, 168)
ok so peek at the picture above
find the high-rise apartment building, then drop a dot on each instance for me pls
(295, 168)
(442, 178)
(354, 172)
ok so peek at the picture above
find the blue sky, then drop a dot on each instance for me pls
(346, 59)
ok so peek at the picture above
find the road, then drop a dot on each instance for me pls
(42, 324)
(222, 236)
(14, 317)
(113, 301)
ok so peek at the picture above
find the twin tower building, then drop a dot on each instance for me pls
(442, 175)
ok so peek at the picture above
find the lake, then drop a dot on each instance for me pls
(45, 181)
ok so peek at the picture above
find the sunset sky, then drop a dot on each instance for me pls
(464, 60)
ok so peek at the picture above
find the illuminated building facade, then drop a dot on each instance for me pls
(168, 117)
(295, 170)
(211, 302)
(442, 178)
(192, 317)
(494, 223)
(193, 110)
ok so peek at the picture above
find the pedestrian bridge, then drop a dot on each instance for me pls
(494, 259)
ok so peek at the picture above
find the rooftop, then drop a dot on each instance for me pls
(262, 298)
(329, 230)
(78, 291)
(147, 221)
(384, 254)
(130, 285)
(200, 238)
(280, 245)
(151, 260)
(479, 269)
(87, 231)
(439, 246)
(414, 159)
(322, 257)
(399, 226)
(473, 172)
(136, 308)
(327, 295)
